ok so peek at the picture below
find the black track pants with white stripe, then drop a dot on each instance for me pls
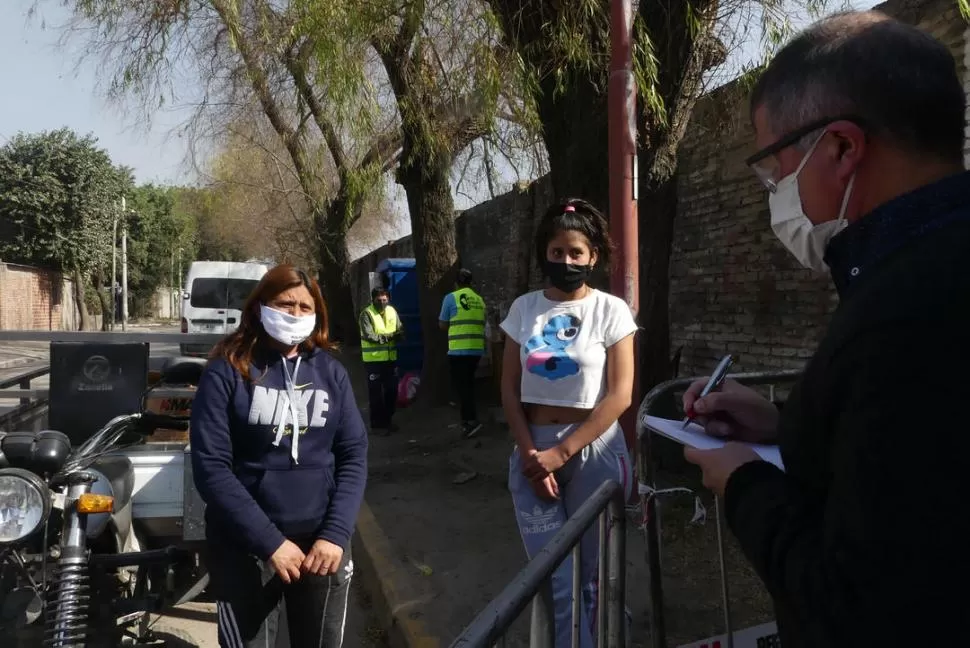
(255, 608)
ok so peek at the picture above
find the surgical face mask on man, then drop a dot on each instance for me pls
(285, 328)
(804, 239)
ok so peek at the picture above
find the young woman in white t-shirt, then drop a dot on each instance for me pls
(567, 377)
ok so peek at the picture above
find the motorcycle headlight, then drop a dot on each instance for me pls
(24, 504)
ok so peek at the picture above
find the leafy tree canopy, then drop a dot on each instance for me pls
(157, 229)
(59, 195)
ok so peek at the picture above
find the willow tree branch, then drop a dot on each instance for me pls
(297, 69)
(260, 83)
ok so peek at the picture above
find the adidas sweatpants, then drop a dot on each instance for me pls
(250, 597)
(539, 520)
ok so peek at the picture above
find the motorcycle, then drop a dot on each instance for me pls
(72, 569)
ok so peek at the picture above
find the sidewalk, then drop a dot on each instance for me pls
(444, 506)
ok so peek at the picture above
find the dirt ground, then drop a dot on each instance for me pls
(461, 543)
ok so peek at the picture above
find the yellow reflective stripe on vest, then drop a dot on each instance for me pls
(466, 330)
(386, 325)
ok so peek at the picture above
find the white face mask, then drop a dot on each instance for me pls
(286, 328)
(804, 239)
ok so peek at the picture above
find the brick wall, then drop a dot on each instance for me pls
(35, 299)
(733, 286)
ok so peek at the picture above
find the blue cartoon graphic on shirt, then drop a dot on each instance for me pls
(546, 352)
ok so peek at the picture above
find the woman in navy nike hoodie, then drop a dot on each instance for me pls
(279, 454)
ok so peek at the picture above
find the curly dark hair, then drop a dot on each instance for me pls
(582, 218)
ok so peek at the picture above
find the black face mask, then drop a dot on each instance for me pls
(567, 277)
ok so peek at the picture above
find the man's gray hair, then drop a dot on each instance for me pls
(899, 81)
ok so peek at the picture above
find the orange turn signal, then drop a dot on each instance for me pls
(92, 503)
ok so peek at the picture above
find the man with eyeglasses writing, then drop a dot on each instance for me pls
(862, 540)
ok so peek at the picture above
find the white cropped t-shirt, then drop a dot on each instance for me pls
(564, 345)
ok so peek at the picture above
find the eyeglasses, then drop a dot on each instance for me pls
(764, 163)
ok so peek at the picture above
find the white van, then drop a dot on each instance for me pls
(214, 294)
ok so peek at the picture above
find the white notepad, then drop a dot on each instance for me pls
(695, 437)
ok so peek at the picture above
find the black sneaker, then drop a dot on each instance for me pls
(380, 430)
(470, 429)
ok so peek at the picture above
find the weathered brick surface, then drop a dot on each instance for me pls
(35, 299)
(733, 286)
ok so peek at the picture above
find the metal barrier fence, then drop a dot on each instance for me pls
(28, 401)
(533, 583)
(647, 475)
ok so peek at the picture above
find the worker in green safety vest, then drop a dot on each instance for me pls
(380, 331)
(463, 316)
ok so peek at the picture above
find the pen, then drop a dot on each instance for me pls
(715, 381)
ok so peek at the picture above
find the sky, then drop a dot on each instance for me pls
(46, 86)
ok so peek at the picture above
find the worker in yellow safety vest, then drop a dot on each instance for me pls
(463, 316)
(380, 331)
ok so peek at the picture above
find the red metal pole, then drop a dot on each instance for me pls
(625, 278)
(626, 275)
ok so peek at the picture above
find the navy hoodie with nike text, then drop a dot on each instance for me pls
(256, 493)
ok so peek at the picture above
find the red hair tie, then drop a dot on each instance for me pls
(569, 208)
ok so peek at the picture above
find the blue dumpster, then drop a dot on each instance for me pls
(400, 277)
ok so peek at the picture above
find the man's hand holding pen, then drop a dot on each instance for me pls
(732, 412)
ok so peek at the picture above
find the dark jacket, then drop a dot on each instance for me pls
(256, 494)
(864, 540)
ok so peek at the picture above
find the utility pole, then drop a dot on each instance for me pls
(114, 269)
(179, 286)
(124, 266)
(171, 284)
(625, 280)
(622, 101)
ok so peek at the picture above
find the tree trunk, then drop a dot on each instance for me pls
(335, 284)
(575, 132)
(335, 278)
(683, 41)
(103, 300)
(574, 126)
(82, 307)
(658, 208)
(433, 231)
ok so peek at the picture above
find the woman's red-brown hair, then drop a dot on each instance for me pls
(238, 347)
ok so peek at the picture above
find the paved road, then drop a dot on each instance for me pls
(28, 355)
(192, 625)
